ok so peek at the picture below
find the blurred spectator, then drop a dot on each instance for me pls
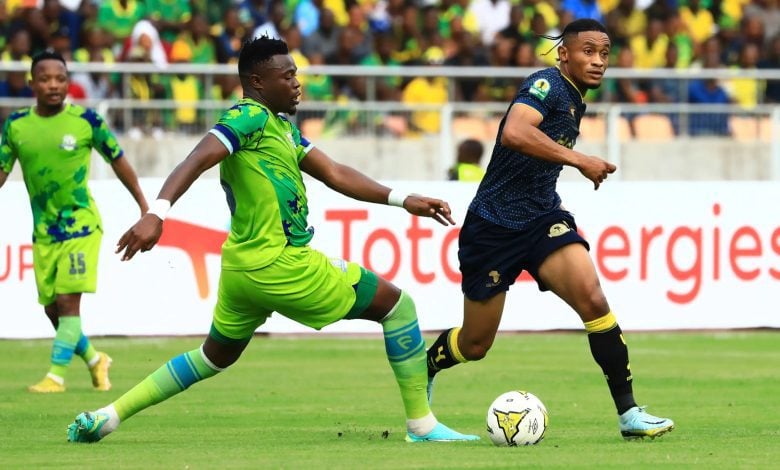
(143, 87)
(699, 21)
(667, 90)
(525, 56)
(492, 16)
(94, 47)
(38, 27)
(543, 8)
(307, 16)
(750, 31)
(427, 90)
(499, 88)
(292, 36)
(429, 32)
(118, 17)
(60, 42)
(772, 61)
(323, 41)
(708, 91)
(15, 86)
(467, 54)
(514, 30)
(170, 17)
(769, 12)
(212, 9)
(18, 47)
(583, 9)
(62, 21)
(625, 22)
(185, 90)
(253, 12)
(275, 23)
(229, 36)
(409, 38)
(146, 38)
(545, 49)
(456, 17)
(319, 87)
(649, 48)
(96, 86)
(387, 88)
(364, 39)
(467, 166)
(745, 91)
(677, 33)
(626, 90)
(196, 42)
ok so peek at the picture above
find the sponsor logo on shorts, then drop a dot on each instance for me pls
(556, 230)
(495, 279)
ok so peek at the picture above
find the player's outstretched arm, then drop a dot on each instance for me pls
(129, 179)
(350, 182)
(522, 133)
(146, 232)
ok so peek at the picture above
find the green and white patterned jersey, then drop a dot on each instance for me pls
(55, 155)
(263, 185)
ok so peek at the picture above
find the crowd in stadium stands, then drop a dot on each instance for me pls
(645, 34)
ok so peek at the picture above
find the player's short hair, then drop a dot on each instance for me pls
(573, 29)
(48, 54)
(257, 51)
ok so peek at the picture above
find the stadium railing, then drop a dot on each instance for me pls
(619, 131)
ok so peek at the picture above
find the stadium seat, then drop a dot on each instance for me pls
(765, 129)
(312, 128)
(656, 127)
(396, 125)
(468, 127)
(744, 128)
(593, 128)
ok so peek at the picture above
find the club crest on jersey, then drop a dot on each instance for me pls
(556, 230)
(68, 142)
(540, 89)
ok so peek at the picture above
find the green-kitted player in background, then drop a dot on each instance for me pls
(267, 263)
(53, 142)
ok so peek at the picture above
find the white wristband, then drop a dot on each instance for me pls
(397, 198)
(160, 208)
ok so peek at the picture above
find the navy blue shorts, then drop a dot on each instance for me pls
(492, 257)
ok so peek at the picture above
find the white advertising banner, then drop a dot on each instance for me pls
(676, 255)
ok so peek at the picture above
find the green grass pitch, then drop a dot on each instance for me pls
(331, 402)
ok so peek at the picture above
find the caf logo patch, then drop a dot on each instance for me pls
(540, 89)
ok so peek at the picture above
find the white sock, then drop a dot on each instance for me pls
(56, 378)
(113, 420)
(421, 426)
(91, 363)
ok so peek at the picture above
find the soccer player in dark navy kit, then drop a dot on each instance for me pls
(516, 222)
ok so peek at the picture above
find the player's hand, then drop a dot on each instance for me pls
(423, 206)
(596, 170)
(141, 236)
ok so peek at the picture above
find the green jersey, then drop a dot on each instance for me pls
(263, 185)
(55, 154)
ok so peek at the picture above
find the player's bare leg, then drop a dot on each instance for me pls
(569, 273)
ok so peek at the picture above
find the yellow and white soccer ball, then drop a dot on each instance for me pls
(516, 418)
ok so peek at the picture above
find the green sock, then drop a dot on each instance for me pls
(406, 352)
(85, 350)
(173, 377)
(68, 332)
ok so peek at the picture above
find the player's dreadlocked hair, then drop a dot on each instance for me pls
(46, 55)
(258, 50)
(572, 29)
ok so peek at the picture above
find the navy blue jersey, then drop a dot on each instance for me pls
(518, 188)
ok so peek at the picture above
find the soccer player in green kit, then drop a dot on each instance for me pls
(53, 142)
(267, 263)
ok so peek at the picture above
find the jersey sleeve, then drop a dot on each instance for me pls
(103, 140)
(538, 93)
(302, 144)
(7, 150)
(238, 124)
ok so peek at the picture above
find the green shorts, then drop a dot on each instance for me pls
(302, 284)
(68, 267)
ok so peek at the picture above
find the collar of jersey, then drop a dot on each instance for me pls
(582, 99)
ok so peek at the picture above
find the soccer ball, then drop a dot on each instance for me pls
(516, 418)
